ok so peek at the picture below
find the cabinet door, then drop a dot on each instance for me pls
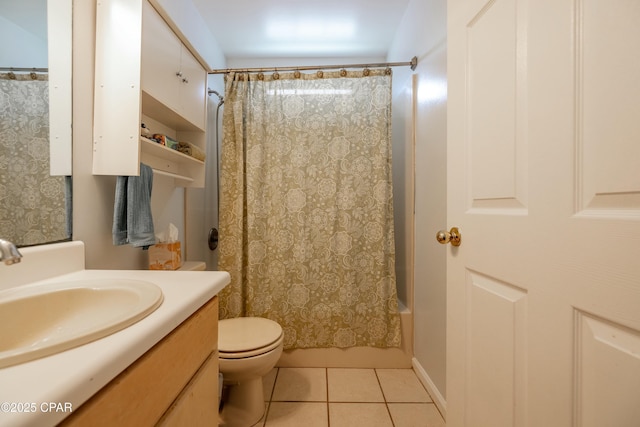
(160, 58)
(196, 404)
(116, 109)
(192, 96)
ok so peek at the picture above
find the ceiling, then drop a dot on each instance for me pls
(303, 28)
(274, 28)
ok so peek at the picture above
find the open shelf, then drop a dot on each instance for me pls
(187, 171)
(160, 112)
(158, 150)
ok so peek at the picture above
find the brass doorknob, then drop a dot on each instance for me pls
(452, 236)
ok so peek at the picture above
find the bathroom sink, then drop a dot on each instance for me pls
(41, 320)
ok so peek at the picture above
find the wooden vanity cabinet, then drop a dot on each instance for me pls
(175, 383)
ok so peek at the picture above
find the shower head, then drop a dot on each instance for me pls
(220, 97)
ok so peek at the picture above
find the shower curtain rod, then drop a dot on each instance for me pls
(413, 64)
(19, 69)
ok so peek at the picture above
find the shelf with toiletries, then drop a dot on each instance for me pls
(169, 162)
(158, 150)
(159, 83)
(159, 120)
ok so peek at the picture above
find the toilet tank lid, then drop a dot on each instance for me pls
(193, 266)
(246, 333)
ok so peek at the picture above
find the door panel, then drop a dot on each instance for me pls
(608, 130)
(497, 315)
(605, 355)
(496, 147)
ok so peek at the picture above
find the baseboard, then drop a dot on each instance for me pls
(438, 399)
(354, 357)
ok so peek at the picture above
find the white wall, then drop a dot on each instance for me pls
(21, 48)
(420, 129)
(293, 62)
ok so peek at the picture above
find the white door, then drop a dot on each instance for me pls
(543, 295)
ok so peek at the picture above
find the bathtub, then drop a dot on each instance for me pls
(356, 357)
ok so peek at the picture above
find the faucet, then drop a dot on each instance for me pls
(9, 253)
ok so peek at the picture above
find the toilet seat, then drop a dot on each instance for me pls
(244, 337)
(252, 353)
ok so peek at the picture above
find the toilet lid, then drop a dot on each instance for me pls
(246, 333)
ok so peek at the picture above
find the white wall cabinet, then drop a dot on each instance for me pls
(170, 73)
(145, 74)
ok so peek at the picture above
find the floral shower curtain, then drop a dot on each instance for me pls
(32, 202)
(306, 208)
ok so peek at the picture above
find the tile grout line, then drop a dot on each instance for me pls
(273, 388)
(384, 396)
(326, 376)
(327, 398)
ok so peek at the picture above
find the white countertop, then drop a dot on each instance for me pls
(53, 385)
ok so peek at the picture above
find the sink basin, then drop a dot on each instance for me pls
(45, 319)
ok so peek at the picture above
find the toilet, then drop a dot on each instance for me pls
(248, 348)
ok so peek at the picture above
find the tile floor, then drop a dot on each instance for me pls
(337, 397)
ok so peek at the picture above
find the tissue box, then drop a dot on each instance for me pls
(165, 256)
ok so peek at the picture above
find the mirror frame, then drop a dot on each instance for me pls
(59, 35)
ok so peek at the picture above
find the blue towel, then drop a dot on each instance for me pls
(132, 220)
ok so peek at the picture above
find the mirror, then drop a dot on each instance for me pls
(35, 121)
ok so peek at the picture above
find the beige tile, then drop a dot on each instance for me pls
(359, 415)
(415, 415)
(402, 385)
(268, 381)
(301, 385)
(296, 414)
(353, 385)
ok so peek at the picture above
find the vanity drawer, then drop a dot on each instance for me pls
(196, 405)
(143, 392)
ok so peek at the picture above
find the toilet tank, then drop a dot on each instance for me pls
(193, 266)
